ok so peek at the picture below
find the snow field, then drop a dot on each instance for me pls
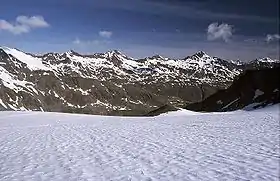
(185, 146)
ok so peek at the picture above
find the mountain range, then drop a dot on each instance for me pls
(113, 83)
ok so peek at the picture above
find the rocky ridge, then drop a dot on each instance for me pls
(251, 90)
(111, 83)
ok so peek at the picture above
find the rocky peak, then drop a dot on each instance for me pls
(72, 52)
(157, 57)
(199, 54)
(112, 53)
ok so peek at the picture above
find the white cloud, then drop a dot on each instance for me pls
(105, 34)
(80, 42)
(23, 24)
(77, 41)
(33, 21)
(223, 31)
(15, 29)
(271, 38)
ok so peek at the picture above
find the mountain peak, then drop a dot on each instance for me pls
(157, 57)
(267, 59)
(72, 52)
(117, 53)
(200, 54)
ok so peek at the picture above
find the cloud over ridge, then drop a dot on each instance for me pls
(223, 31)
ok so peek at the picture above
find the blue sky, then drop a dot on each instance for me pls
(234, 29)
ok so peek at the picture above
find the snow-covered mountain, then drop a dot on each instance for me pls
(108, 83)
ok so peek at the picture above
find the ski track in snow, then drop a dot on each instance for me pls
(52, 146)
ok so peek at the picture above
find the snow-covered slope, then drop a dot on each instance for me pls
(179, 146)
(32, 62)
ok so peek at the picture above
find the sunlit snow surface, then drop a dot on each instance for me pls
(31, 62)
(177, 146)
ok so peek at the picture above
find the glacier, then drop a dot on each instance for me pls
(182, 145)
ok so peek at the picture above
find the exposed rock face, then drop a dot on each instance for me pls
(250, 90)
(108, 83)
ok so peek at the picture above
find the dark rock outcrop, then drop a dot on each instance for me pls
(250, 90)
